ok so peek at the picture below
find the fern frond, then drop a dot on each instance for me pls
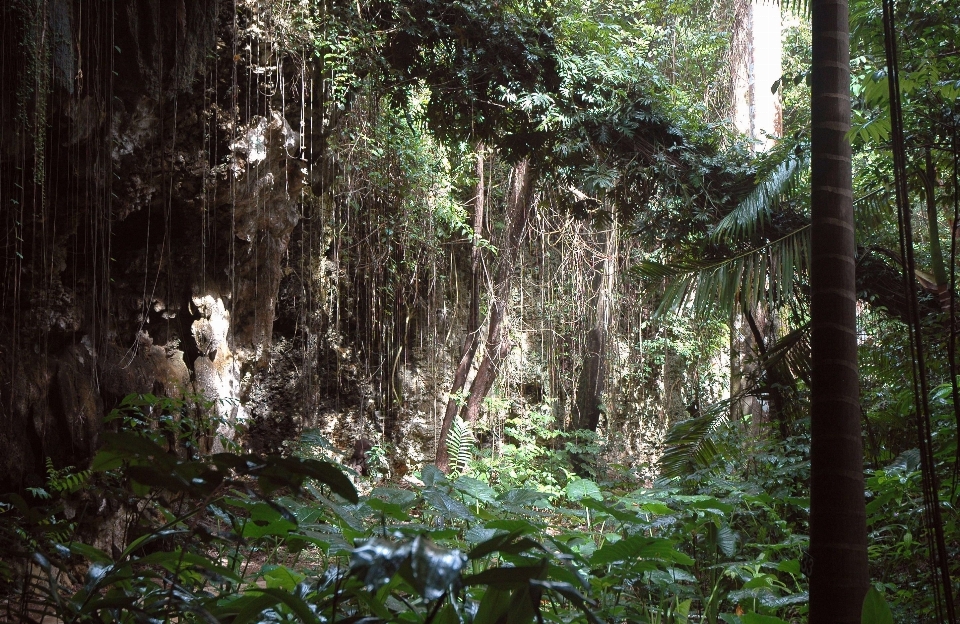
(460, 444)
(793, 351)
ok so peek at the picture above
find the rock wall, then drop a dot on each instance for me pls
(149, 218)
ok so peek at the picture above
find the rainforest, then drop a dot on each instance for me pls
(479, 311)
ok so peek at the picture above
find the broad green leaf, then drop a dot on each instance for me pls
(875, 608)
(389, 509)
(520, 497)
(296, 604)
(476, 534)
(431, 475)
(623, 515)
(493, 606)
(791, 566)
(281, 577)
(756, 618)
(178, 560)
(657, 509)
(476, 488)
(505, 578)
(449, 507)
(512, 543)
(640, 547)
(579, 489)
(524, 605)
(512, 525)
(265, 520)
(91, 553)
(394, 496)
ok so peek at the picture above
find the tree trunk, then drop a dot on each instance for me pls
(498, 343)
(586, 410)
(472, 340)
(756, 51)
(838, 535)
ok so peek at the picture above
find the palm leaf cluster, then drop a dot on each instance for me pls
(690, 446)
(760, 268)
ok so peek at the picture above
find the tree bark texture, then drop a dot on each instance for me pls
(498, 344)
(838, 543)
(756, 52)
(587, 409)
(472, 339)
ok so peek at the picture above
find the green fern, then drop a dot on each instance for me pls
(460, 445)
(67, 480)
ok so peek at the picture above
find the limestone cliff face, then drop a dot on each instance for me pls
(149, 196)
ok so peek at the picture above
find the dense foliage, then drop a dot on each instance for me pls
(652, 225)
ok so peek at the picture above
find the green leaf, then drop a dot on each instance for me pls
(524, 605)
(476, 488)
(505, 578)
(623, 515)
(512, 543)
(639, 547)
(296, 604)
(493, 606)
(178, 560)
(572, 594)
(791, 566)
(757, 208)
(389, 509)
(723, 538)
(266, 520)
(520, 497)
(578, 489)
(431, 475)
(394, 496)
(875, 608)
(460, 444)
(448, 507)
(281, 577)
(512, 525)
(91, 553)
(756, 618)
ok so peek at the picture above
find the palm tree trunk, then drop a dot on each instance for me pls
(838, 535)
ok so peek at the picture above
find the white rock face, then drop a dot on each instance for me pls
(217, 370)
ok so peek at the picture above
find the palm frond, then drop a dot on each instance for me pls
(689, 446)
(793, 352)
(726, 284)
(797, 7)
(460, 444)
(873, 209)
(754, 211)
